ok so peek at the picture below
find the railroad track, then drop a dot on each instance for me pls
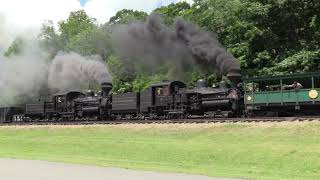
(174, 121)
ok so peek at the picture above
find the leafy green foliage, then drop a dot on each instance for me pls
(143, 81)
(120, 77)
(126, 16)
(50, 40)
(267, 37)
(261, 34)
(90, 42)
(303, 61)
(15, 48)
(77, 23)
(172, 11)
(78, 33)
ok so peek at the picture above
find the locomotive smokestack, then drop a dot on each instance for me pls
(235, 76)
(201, 83)
(106, 87)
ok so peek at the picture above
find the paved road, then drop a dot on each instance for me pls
(12, 169)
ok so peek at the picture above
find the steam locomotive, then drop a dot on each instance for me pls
(165, 100)
(245, 97)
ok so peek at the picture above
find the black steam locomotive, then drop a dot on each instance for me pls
(166, 100)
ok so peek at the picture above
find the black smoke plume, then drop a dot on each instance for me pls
(146, 46)
(152, 43)
(206, 49)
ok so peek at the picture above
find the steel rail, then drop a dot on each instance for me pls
(172, 121)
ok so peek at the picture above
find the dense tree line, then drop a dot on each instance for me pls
(267, 37)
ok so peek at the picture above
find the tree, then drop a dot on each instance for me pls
(92, 42)
(15, 48)
(50, 39)
(126, 16)
(267, 37)
(77, 23)
(121, 78)
(172, 11)
(79, 33)
(261, 34)
(302, 61)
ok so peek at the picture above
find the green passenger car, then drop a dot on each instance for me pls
(295, 94)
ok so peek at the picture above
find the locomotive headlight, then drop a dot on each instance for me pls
(249, 98)
(313, 94)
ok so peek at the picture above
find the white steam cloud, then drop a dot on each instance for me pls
(24, 77)
(21, 77)
(70, 71)
(4, 33)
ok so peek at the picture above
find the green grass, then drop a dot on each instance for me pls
(254, 151)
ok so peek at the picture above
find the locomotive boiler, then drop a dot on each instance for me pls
(217, 101)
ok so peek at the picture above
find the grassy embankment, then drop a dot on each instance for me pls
(255, 151)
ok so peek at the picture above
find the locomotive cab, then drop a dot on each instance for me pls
(163, 99)
(64, 103)
(163, 92)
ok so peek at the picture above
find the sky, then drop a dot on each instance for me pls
(26, 16)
